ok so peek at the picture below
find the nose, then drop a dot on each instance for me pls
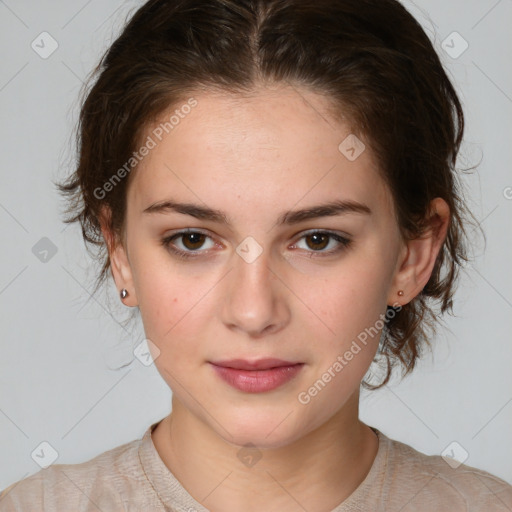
(255, 301)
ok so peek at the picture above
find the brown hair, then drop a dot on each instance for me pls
(370, 57)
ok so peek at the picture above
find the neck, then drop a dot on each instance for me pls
(316, 472)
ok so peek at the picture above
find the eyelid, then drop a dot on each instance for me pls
(331, 232)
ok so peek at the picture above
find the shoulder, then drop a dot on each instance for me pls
(104, 479)
(423, 482)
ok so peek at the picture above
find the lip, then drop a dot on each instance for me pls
(271, 374)
(258, 364)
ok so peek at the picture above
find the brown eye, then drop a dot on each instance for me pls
(193, 240)
(323, 243)
(188, 244)
(319, 241)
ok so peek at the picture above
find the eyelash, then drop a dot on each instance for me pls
(343, 241)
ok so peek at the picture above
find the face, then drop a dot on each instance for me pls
(259, 280)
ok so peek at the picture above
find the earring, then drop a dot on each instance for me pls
(400, 293)
(124, 293)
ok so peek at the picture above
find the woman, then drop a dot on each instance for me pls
(274, 184)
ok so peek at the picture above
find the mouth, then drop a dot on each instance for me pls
(258, 364)
(256, 376)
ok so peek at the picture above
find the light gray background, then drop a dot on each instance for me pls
(58, 344)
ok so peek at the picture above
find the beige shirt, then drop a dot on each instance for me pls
(133, 477)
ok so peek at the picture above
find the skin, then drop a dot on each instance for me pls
(255, 158)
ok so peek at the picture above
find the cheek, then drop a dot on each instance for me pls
(349, 301)
(174, 305)
(166, 312)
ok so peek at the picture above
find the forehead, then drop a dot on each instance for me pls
(272, 147)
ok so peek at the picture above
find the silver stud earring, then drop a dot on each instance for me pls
(124, 293)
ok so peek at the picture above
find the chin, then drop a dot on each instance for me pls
(265, 431)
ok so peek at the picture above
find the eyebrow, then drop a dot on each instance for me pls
(289, 218)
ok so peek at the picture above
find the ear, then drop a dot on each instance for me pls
(119, 263)
(418, 256)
